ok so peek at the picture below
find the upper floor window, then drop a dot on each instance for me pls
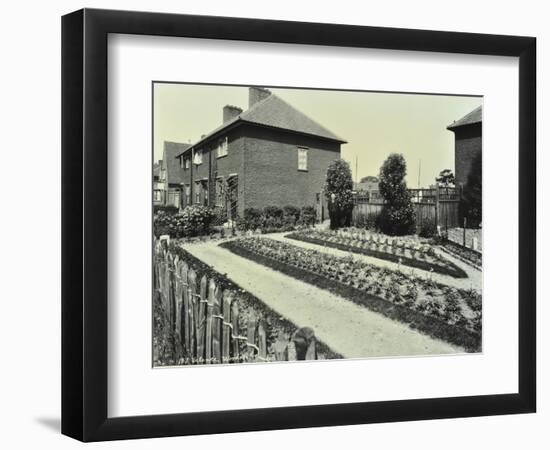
(302, 158)
(186, 163)
(221, 150)
(197, 158)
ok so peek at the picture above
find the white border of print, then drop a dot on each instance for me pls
(136, 389)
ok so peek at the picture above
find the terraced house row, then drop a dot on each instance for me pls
(270, 154)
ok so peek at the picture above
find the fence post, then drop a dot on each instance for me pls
(251, 334)
(179, 306)
(235, 330)
(437, 206)
(209, 319)
(217, 324)
(304, 340)
(192, 282)
(226, 342)
(262, 341)
(201, 318)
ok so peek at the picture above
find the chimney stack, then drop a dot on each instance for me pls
(230, 112)
(257, 94)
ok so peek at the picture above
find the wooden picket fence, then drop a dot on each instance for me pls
(204, 320)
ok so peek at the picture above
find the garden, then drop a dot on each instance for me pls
(168, 346)
(442, 312)
(409, 251)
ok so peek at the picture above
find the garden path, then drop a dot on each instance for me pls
(347, 328)
(473, 281)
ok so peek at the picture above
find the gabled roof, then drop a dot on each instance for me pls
(274, 112)
(174, 173)
(469, 119)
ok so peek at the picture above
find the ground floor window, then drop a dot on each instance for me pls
(198, 193)
(219, 192)
(187, 194)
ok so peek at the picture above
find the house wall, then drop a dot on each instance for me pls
(467, 147)
(266, 163)
(271, 168)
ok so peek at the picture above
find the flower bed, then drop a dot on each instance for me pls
(408, 252)
(465, 254)
(275, 325)
(443, 312)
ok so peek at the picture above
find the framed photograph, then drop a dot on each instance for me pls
(273, 224)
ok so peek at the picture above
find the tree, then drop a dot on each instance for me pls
(398, 216)
(471, 198)
(338, 192)
(446, 178)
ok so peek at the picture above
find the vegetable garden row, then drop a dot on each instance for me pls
(443, 312)
(408, 252)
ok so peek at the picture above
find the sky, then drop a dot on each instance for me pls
(374, 124)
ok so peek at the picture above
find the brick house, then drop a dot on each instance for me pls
(270, 154)
(467, 132)
(168, 187)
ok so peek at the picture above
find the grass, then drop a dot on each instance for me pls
(430, 326)
(448, 269)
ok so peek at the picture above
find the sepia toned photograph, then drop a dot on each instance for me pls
(307, 224)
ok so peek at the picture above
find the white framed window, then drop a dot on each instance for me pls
(221, 150)
(197, 159)
(186, 163)
(302, 158)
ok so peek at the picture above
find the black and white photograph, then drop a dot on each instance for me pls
(307, 224)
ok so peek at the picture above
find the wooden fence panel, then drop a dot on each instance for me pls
(205, 323)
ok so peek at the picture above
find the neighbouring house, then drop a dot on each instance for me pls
(270, 154)
(158, 186)
(171, 174)
(467, 132)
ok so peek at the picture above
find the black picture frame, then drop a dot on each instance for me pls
(84, 224)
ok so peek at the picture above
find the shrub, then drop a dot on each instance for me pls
(308, 215)
(252, 219)
(428, 229)
(192, 221)
(168, 209)
(398, 216)
(291, 214)
(273, 211)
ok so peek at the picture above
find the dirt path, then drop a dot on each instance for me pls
(349, 329)
(473, 280)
